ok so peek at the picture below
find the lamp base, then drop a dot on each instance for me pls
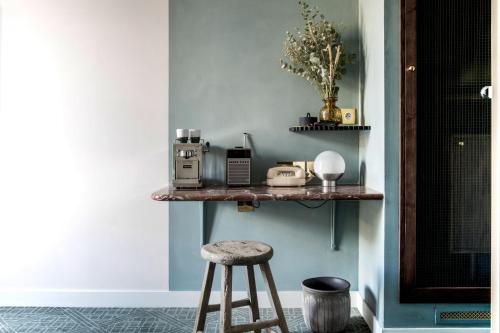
(328, 183)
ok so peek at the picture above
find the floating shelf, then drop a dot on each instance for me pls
(319, 127)
(267, 193)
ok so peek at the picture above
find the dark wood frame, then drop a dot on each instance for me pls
(409, 292)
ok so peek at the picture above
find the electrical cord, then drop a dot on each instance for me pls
(256, 204)
(311, 207)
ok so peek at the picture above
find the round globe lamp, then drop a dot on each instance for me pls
(329, 166)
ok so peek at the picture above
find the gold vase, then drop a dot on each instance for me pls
(330, 112)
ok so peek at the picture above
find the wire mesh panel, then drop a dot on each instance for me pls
(453, 144)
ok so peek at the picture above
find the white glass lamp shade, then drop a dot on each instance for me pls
(329, 166)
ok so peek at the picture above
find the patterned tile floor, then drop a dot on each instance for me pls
(104, 320)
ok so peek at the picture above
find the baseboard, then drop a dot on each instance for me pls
(367, 313)
(140, 298)
(439, 330)
(129, 298)
(376, 327)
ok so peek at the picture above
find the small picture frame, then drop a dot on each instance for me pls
(348, 116)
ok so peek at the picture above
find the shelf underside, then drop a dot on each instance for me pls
(319, 127)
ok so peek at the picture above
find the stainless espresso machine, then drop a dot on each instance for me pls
(188, 164)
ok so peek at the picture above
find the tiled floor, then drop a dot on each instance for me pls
(80, 320)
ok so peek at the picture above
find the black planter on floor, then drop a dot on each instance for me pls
(327, 304)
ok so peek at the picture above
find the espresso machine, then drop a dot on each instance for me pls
(188, 164)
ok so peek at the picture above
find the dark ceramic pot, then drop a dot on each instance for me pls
(307, 120)
(327, 304)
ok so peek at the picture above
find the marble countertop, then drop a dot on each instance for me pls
(266, 193)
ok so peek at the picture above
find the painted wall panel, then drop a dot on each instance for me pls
(372, 151)
(226, 79)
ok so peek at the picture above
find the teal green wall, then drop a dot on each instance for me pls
(225, 78)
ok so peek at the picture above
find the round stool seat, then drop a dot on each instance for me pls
(237, 253)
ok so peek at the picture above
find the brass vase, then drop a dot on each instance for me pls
(330, 112)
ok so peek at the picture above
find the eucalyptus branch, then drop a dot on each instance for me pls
(330, 78)
(311, 31)
(309, 52)
(338, 52)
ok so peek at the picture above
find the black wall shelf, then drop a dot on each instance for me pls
(319, 127)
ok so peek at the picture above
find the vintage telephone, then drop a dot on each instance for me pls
(286, 176)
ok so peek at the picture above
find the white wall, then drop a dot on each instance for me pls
(83, 142)
(372, 155)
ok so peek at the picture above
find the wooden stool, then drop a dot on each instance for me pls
(238, 253)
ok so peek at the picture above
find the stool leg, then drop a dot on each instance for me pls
(252, 295)
(201, 313)
(226, 290)
(272, 293)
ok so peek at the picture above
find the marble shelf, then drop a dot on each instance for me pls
(266, 193)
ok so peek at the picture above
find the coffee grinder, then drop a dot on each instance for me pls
(239, 164)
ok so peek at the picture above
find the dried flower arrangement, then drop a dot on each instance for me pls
(316, 53)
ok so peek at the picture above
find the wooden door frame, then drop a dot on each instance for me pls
(495, 184)
(408, 290)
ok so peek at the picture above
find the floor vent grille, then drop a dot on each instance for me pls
(463, 317)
